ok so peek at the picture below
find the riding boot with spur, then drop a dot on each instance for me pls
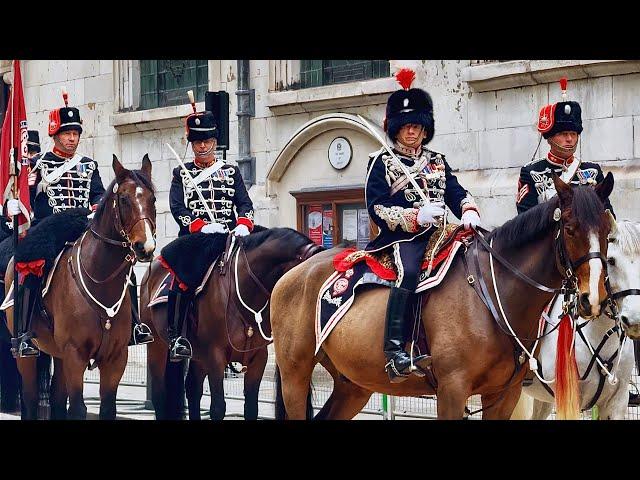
(140, 332)
(177, 306)
(26, 299)
(398, 364)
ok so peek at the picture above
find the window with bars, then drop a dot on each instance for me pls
(164, 83)
(315, 73)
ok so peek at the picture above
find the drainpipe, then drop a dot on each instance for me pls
(246, 110)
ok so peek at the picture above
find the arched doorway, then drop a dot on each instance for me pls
(321, 199)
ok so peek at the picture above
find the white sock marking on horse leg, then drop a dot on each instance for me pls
(595, 269)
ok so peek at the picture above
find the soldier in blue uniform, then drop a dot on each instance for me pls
(560, 125)
(406, 223)
(221, 186)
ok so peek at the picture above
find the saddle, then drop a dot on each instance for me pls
(356, 268)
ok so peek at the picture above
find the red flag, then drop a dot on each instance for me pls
(13, 147)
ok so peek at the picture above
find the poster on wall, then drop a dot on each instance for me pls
(314, 223)
(327, 228)
(363, 228)
(350, 225)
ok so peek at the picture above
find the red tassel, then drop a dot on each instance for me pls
(405, 77)
(567, 392)
(563, 84)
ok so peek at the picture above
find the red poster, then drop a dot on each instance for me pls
(314, 223)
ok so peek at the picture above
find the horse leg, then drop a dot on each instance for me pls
(215, 369)
(499, 406)
(452, 397)
(252, 380)
(110, 376)
(59, 393)
(346, 399)
(28, 369)
(74, 366)
(541, 410)
(157, 352)
(194, 388)
(522, 410)
(614, 407)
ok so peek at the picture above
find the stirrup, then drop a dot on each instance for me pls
(142, 330)
(183, 344)
(395, 376)
(26, 347)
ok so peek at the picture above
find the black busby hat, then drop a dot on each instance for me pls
(409, 105)
(65, 118)
(565, 116)
(33, 142)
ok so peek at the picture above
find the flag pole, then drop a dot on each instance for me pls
(14, 173)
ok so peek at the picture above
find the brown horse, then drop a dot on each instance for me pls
(225, 331)
(75, 328)
(471, 354)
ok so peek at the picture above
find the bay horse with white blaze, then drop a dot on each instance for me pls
(86, 314)
(472, 350)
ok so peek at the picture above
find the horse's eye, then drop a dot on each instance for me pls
(570, 230)
(611, 261)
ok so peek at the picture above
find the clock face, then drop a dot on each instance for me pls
(340, 153)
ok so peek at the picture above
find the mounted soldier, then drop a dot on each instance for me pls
(560, 124)
(61, 180)
(202, 198)
(405, 221)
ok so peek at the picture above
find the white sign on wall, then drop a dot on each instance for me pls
(340, 153)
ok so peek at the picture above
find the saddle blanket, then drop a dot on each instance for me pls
(161, 294)
(8, 300)
(354, 268)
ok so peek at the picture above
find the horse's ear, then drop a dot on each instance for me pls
(605, 187)
(565, 193)
(146, 165)
(118, 169)
(613, 224)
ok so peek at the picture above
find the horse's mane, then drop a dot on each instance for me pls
(262, 234)
(138, 176)
(628, 237)
(586, 209)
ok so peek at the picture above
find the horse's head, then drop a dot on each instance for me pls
(583, 240)
(623, 260)
(134, 207)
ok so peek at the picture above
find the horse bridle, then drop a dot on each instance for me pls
(124, 233)
(565, 266)
(124, 243)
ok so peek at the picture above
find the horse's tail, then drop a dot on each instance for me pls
(567, 390)
(174, 381)
(280, 411)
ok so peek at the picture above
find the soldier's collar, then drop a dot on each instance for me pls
(561, 162)
(408, 151)
(61, 154)
(203, 165)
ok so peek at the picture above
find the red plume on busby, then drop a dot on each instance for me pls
(405, 77)
(563, 87)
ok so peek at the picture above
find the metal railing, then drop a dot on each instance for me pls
(387, 407)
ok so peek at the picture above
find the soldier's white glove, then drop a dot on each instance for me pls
(13, 207)
(241, 231)
(470, 218)
(429, 212)
(213, 228)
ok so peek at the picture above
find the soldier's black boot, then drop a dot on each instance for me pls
(177, 305)
(140, 332)
(26, 298)
(398, 364)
